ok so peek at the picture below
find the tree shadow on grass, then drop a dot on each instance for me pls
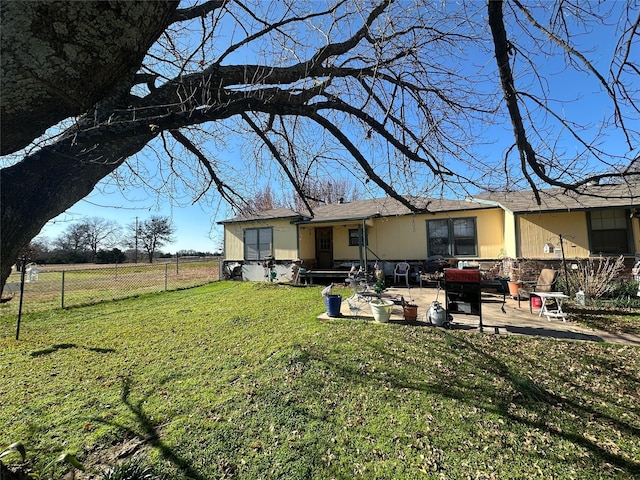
(538, 397)
(150, 432)
(65, 346)
(609, 320)
(528, 394)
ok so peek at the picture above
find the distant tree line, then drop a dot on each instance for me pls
(98, 240)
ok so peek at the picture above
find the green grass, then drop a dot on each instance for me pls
(240, 380)
(610, 318)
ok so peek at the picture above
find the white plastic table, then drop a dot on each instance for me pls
(559, 297)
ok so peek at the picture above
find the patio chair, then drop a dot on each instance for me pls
(401, 270)
(546, 283)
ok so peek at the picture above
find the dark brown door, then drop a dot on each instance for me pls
(324, 247)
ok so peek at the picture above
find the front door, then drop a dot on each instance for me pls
(324, 247)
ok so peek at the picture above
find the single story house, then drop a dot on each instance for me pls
(480, 229)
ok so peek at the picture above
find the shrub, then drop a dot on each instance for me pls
(596, 277)
(623, 289)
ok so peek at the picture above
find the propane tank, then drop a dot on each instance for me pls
(436, 314)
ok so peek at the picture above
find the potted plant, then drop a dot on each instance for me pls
(410, 311)
(514, 287)
(381, 309)
(514, 283)
(379, 286)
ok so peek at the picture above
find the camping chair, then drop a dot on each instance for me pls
(401, 270)
(546, 283)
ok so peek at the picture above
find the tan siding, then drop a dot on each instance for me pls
(307, 242)
(491, 233)
(399, 238)
(405, 237)
(233, 244)
(284, 239)
(536, 229)
(341, 248)
(510, 236)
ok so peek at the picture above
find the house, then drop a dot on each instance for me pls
(480, 229)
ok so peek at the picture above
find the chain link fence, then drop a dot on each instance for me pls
(62, 286)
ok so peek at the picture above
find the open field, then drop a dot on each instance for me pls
(240, 380)
(73, 285)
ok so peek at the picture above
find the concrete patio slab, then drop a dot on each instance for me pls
(498, 317)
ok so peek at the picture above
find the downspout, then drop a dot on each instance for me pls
(297, 241)
(364, 243)
(360, 246)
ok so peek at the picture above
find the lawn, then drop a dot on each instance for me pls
(240, 380)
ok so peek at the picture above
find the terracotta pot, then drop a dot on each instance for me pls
(410, 313)
(513, 288)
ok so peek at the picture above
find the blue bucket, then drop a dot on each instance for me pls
(333, 303)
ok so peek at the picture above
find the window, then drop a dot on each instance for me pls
(354, 237)
(258, 243)
(452, 237)
(609, 231)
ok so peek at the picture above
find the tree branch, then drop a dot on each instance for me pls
(364, 164)
(572, 51)
(196, 11)
(501, 46)
(221, 186)
(276, 154)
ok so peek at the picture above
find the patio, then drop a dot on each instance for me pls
(512, 321)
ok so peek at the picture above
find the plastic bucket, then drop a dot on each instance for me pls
(333, 303)
(536, 302)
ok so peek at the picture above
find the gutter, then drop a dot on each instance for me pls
(337, 220)
(259, 219)
(492, 203)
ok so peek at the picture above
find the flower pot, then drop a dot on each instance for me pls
(513, 288)
(410, 313)
(333, 303)
(381, 310)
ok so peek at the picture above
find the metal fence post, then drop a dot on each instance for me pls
(166, 275)
(22, 269)
(62, 292)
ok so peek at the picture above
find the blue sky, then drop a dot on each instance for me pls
(195, 225)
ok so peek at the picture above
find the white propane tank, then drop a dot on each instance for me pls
(436, 314)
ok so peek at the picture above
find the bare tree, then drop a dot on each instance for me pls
(152, 234)
(326, 191)
(74, 240)
(101, 234)
(262, 200)
(402, 94)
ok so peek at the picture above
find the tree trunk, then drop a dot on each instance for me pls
(56, 69)
(66, 56)
(49, 182)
